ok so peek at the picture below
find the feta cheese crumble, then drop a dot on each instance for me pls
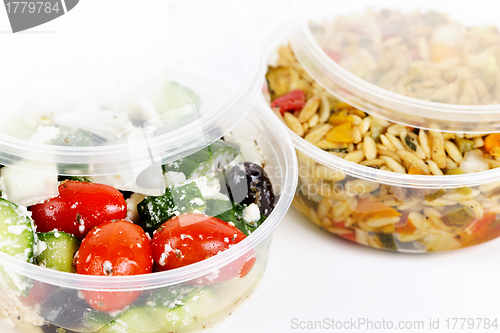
(173, 178)
(251, 213)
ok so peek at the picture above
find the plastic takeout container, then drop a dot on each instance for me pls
(117, 105)
(372, 205)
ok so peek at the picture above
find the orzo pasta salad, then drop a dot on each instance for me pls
(424, 55)
(402, 218)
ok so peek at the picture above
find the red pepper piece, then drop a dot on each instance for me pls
(335, 56)
(294, 100)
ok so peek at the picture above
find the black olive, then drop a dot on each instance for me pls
(65, 308)
(248, 183)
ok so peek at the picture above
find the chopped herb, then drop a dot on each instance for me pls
(338, 150)
(435, 195)
(459, 216)
(233, 214)
(465, 145)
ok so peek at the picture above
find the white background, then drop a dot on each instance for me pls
(314, 275)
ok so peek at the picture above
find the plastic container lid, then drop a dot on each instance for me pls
(371, 59)
(95, 95)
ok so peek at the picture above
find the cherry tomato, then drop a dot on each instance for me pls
(114, 249)
(190, 238)
(79, 207)
(294, 100)
(237, 268)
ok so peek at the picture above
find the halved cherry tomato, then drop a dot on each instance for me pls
(190, 238)
(38, 293)
(114, 249)
(79, 207)
(236, 268)
(294, 100)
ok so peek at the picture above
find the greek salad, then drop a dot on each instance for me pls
(100, 225)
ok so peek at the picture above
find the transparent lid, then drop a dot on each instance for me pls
(424, 64)
(125, 87)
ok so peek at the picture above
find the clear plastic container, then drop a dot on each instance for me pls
(370, 204)
(32, 296)
(120, 105)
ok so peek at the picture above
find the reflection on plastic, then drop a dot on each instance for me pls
(148, 173)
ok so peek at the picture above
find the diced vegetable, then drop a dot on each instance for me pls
(177, 96)
(474, 161)
(340, 133)
(141, 319)
(407, 229)
(282, 79)
(340, 118)
(387, 240)
(440, 52)
(367, 209)
(457, 171)
(482, 230)
(294, 100)
(180, 199)
(435, 195)
(205, 161)
(216, 207)
(458, 216)
(491, 142)
(335, 56)
(57, 250)
(465, 145)
(16, 231)
(415, 170)
(463, 190)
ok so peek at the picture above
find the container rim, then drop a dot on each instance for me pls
(187, 273)
(177, 143)
(280, 34)
(380, 102)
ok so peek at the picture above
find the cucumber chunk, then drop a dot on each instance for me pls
(177, 96)
(116, 326)
(180, 199)
(16, 231)
(217, 206)
(58, 251)
(208, 160)
(142, 320)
